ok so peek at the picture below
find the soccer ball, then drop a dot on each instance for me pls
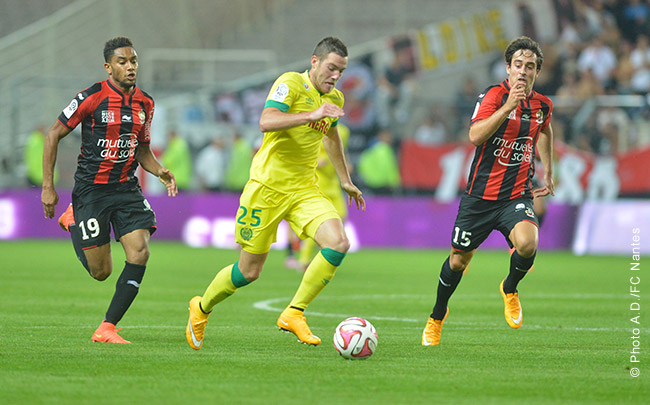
(355, 338)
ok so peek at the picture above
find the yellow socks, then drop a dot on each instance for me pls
(223, 286)
(319, 273)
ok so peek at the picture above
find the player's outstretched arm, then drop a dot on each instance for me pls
(273, 119)
(146, 158)
(49, 197)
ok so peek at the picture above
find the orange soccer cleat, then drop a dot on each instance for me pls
(66, 219)
(106, 333)
(196, 324)
(292, 320)
(512, 310)
(431, 333)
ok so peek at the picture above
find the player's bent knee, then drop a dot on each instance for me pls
(458, 263)
(100, 273)
(139, 256)
(342, 245)
(527, 249)
(251, 272)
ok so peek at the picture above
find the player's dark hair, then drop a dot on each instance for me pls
(329, 45)
(112, 44)
(522, 43)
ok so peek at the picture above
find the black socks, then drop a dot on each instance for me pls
(447, 284)
(519, 266)
(125, 291)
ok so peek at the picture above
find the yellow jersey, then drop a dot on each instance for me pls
(287, 159)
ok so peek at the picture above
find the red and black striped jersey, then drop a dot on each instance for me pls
(113, 124)
(504, 165)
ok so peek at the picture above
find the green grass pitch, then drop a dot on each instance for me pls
(573, 347)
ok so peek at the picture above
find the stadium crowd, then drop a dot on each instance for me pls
(603, 49)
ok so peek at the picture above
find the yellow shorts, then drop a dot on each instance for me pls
(261, 210)
(339, 200)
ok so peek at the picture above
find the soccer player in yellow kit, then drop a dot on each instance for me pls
(300, 114)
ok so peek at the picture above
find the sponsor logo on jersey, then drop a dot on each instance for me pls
(514, 152)
(118, 150)
(321, 126)
(108, 116)
(127, 118)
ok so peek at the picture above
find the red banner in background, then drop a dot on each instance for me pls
(579, 175)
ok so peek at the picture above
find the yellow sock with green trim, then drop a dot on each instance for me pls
(223, 286)
(319, 273)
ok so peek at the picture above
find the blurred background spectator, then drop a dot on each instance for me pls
(211, 165)
(33, 158)
(378, 165)
(178, 159)
(239, 164)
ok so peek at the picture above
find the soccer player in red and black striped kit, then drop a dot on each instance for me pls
(115, 118)
(509, 121)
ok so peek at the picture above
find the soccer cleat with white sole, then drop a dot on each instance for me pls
(512, 308)
(292, 320)
(432, 331)
(196, 324)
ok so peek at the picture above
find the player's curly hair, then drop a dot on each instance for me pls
(521, 43)
(112, 44)
(329, 45)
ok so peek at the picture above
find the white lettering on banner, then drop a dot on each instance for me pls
(603, 180)
(223, 233)
(7, 218)
(220, 233)
(452, 173)
(570, 169)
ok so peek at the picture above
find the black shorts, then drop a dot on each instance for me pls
(477, 218)
(123, 206)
